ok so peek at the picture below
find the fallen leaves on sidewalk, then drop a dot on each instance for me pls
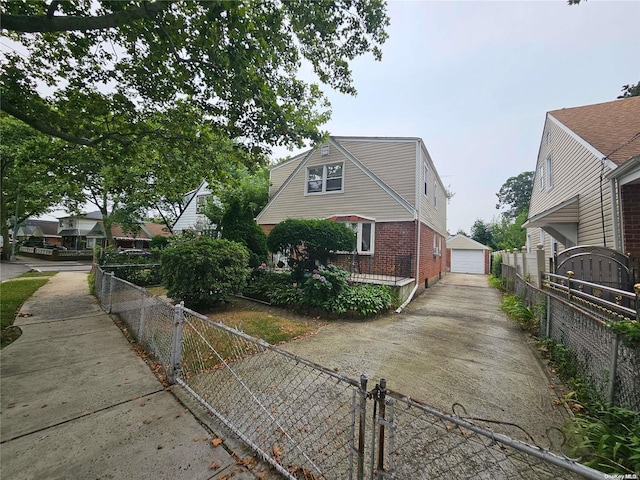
(214, 465)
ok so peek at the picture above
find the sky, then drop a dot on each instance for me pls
(475, 79)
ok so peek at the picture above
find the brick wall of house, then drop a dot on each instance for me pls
(631, 219)
(431, 267)
(267, 229)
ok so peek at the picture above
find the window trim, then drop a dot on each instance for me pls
(425, 171)
(358, 232)
(549, 172)
(324, 179)
(201, 204)
(542, 179)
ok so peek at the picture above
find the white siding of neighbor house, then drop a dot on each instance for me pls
(576, 171)
(360, 195)
(392, 161)
(189, 218)
(279, 174)
(434, 216)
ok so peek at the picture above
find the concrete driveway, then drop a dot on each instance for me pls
(452, 344)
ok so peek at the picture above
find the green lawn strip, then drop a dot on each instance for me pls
(37, 274)
(14, 294)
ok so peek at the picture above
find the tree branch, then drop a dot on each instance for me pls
(50, 23)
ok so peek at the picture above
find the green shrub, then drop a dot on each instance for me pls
(629, 330)
(204, 271)
(239, 226)
(92, 282)
(321, 284)
(496, 266)
(310, 242)
(364, 299)
(513, 306)
(158, 242)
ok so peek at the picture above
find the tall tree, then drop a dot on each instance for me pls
(30, 175)
(237, 61)
(482, 232)
(515, 194)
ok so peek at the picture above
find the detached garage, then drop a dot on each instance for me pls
(467, 256)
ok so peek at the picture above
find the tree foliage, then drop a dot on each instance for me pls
(481, 231)
(630, 90)
(310, 242)
(204, 271)
(30, 174)
(236, 61)
(515, 194)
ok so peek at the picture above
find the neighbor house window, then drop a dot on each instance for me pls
(201, 203)
(541, 177)
(364, 236)
(324, 150)
(435, 194)
(426, 179)
(324, 178)
(549, 166)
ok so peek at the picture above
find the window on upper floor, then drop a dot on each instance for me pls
(541, 177)
(365, 234)
(549, 171)
(426, 179)
(201, 203)
(324, 178)
(435, 194)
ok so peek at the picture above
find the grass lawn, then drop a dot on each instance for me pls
(270, 328)
(37, 274)
(14, 294)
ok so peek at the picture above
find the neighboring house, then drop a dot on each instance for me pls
(465, 255)
(46, 230)
(126, 239)
(587, 182)
(386, 189)
(74, 229)
(87, 231)
(192, 217)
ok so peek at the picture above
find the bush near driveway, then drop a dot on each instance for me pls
(204, 271)
(326, 288)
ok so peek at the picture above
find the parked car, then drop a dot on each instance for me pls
(54, 246)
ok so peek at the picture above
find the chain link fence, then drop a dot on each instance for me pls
(602, 358)
(310, 422)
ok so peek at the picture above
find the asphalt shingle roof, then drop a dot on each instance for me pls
(613, 128)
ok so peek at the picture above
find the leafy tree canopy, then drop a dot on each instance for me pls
(515, 194)
(30, 171)
(630, 90)
(113, 64)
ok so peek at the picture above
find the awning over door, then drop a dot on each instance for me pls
(561, 221)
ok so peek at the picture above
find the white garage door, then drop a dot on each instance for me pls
(467, 261)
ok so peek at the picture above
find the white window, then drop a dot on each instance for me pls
(324, 178)
(541, 177)
(549, 166)
(426, 179)
(435, 194)
(365, 234)
(201, 203)
(324, 150)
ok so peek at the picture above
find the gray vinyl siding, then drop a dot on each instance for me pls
(360, 196)
(393, 162)
(435, 217)
(576, 171)
(279, 174)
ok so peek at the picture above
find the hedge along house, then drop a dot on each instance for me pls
(386, 189)
(587, 183)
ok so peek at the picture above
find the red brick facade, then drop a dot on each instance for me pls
(395, 253)
(631, 219)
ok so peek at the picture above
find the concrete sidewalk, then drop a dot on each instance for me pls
(77, 402)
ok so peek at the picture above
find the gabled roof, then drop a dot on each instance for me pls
(48, 227)
(613, 128)
(154, 229)
(90, 216)
(462, 242)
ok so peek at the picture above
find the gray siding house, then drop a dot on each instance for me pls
(587, 180)
(386, 189)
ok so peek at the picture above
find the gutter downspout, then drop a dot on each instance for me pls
(417, 220)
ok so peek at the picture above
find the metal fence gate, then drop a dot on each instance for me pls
(310, 422)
